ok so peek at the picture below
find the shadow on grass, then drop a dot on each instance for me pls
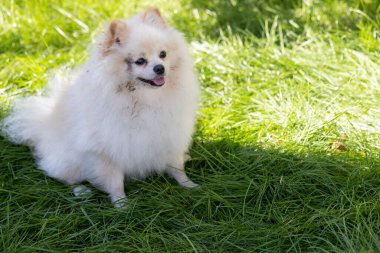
(245, 15)
(311, 201)
(250, 198)
(242, 16)
(274, 174)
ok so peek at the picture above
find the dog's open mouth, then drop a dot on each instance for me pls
(157, 81)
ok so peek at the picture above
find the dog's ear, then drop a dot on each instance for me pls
(116, 34)
(153, 16)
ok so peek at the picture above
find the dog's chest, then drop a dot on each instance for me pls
(145, 137)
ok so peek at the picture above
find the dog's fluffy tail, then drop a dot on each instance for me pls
(26, 121)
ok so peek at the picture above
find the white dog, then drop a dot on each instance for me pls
(129, 111)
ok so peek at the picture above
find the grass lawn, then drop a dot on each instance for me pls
(287, 142)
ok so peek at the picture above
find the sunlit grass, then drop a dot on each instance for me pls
(287, 141)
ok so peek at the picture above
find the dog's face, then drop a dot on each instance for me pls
(148, 59)
(141, 52)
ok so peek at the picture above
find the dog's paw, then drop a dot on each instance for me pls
(188, 184)
(120, 203)
(81, 190)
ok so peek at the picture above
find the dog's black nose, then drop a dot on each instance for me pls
(159, 69)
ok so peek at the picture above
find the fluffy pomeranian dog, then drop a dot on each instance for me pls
(127, 112)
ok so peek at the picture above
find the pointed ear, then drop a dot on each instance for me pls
(116, 34)
(153, 16)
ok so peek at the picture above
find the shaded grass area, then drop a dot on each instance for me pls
(287, 141)
(251, 199)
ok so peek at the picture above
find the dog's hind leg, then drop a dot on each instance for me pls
(81, 190)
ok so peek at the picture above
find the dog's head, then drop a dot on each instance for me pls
(142, 51)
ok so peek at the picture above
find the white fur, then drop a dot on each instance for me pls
(93, 128)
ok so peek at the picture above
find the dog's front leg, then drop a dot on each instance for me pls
(108, 178)
(176, 170)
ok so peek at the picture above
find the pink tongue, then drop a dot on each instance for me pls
(159, 81)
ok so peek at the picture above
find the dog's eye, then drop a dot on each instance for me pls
(162, 54)
(140, 61)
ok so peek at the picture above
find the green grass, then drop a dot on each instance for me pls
(287, 142)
